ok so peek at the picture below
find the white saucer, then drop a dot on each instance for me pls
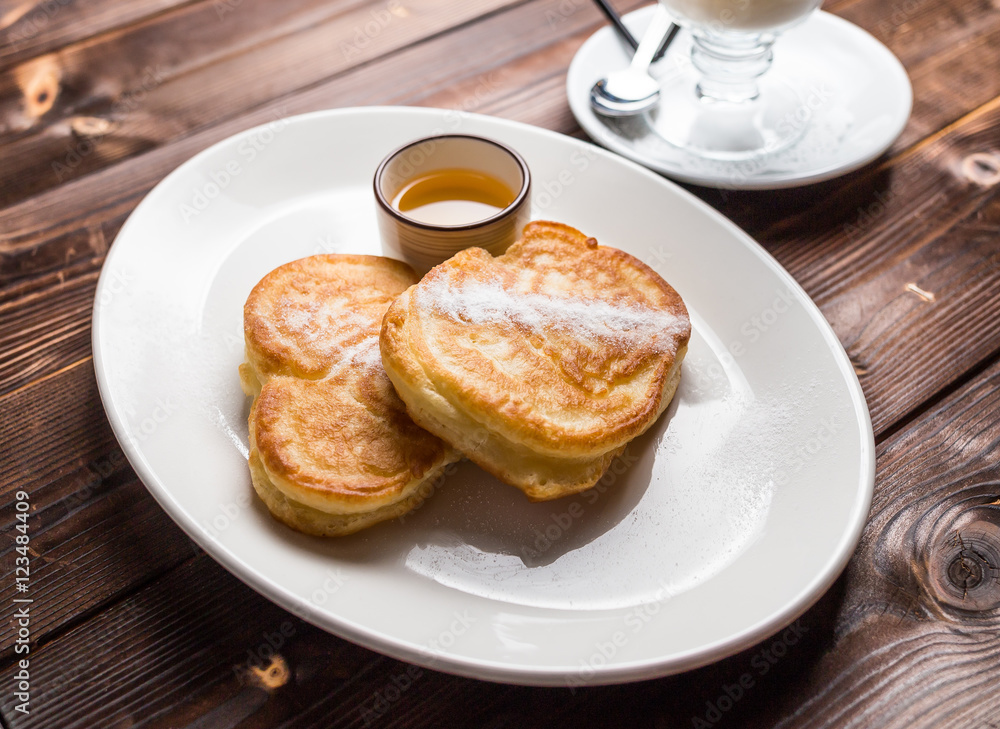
(860, 91)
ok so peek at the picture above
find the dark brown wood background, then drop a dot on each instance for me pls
(133, 626)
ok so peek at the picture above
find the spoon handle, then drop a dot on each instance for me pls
(626, 35)
(616, 20)
(651, 39)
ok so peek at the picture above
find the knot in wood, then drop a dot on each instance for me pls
(272, 677)
(964, 568)
(90, 126)
(982, 168)
(39, 81)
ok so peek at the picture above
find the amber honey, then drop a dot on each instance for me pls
(452, 196)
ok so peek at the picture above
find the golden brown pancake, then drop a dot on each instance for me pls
(332, 449)
(541, 364)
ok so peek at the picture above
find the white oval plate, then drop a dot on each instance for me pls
(717, 528)
(857, 94)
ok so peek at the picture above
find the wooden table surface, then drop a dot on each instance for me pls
(132, 625)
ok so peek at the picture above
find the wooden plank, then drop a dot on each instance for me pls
(89, 514)
(44, 331)
(923, 323)
(919, 30)
(61, 299)
(502, 98)
(917, 640)
(900, 224)
(84, 528)
(42, 234)
(921, 231)
(32, 27)
(126, 93)
(530, 89)
(156, 101)
(40, 220)
(893, 626)
(945, 85)
(197, 648)
(58, 425)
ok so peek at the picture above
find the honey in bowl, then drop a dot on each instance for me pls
(440, 194)
(452, 196)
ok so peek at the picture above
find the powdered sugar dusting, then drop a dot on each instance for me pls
(365, 354)
(300, 319)
(485, 303)
(368, 353)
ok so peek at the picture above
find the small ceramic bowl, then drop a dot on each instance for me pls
(424, 245)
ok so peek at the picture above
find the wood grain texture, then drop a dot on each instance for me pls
(886, 295)
(30, 28)
(78, 239)
(895, 242)
(43, 331)
(130, 92)
(55, 424)
(42, 235)
(917, 638)
(552, 17)
(89, 514)
(905, 639)
(86, 123)
(134, 627)
(83, 528)
(60, 304)
(198, 648)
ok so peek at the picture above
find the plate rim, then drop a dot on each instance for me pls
(493, 670)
